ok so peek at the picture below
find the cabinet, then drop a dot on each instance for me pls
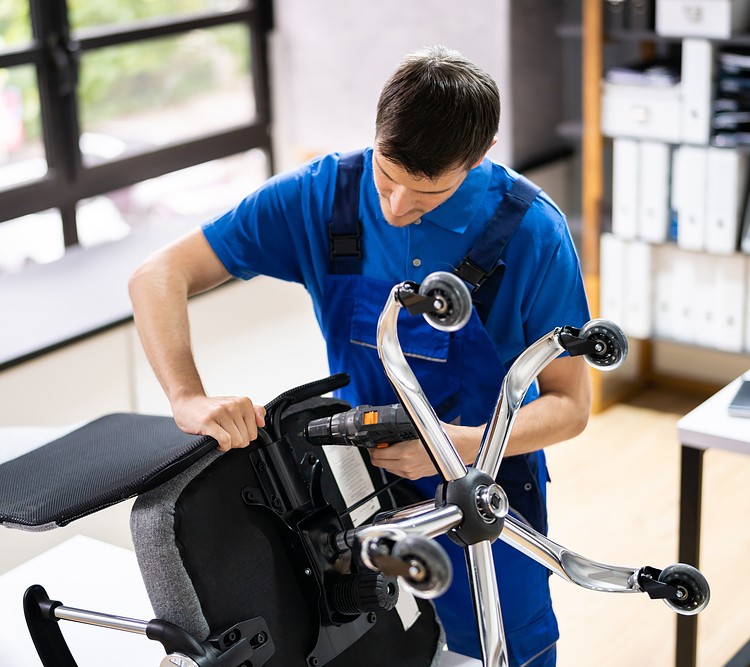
(696, 353)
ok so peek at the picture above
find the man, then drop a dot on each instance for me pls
(423, 198)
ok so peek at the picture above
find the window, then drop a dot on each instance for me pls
(98, 98)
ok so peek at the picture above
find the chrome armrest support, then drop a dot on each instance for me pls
(423, 520)
(486, 598)
(515, 385)
(441, 450)
(567, 564)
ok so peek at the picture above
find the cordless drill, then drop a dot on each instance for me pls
(364, 426)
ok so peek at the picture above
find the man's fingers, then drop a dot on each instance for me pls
(406, 459)
(238, 417)
(223, 439)
(260, 415)
(232, 421)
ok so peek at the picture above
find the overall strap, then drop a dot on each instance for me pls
(483, 264)
(344, 229)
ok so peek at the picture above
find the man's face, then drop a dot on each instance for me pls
(405, 199)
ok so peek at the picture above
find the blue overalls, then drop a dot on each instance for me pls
(461, 375)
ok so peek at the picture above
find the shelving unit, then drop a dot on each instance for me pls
(593, 166)
(595, 208)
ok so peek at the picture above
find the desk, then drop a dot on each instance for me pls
(88, 574)
(709, 426)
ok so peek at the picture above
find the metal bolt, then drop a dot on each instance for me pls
(308, 571)
(417, 570)
(261, 638)
(312, 660)
(372, 617)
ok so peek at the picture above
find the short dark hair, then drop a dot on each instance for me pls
(438, 111)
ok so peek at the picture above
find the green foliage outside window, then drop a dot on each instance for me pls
(117, 81)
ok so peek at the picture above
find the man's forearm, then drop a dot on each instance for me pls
(550, 419)
(161, 319)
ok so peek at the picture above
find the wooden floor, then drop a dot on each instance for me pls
(614, 498)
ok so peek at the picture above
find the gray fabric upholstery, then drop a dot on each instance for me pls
(152, 528)
(170, 589)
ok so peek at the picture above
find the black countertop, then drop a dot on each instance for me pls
(46, 306)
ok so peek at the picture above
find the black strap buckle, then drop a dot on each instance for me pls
(345, 246)
(471, 273)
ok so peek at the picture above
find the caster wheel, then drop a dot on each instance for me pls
(178, 660)
(611, 342)
(429, 569)
(694, 592)
(452, 301)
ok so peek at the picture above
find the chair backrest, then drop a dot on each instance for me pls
(246, 534)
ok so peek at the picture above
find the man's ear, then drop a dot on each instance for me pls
(479, 161)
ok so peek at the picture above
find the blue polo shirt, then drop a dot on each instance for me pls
(280, 230)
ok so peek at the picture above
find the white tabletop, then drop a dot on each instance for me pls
(710, 425)
(87, 574)
(18, 440)
(93, 575)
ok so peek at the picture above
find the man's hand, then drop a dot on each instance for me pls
(409, 459)
(232, 421)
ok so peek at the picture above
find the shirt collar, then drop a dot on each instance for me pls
(456, 213)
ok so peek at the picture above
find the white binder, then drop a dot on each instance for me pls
(696, 81)
(683, 296)
(625, 188)
(638, 290)
(612, 278)
(730, 279)
(703, 291)
(654, 169)
(726, 185)
(689, 195)
(665, 306)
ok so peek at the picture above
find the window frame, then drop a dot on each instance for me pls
(56, 54)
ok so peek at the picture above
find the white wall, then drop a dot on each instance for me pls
(330, 58)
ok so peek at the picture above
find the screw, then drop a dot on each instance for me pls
(308, 571)
(312, 660)
(372, 617)
(417, 570)
(260, 639)
(261, 466)
(276, 502)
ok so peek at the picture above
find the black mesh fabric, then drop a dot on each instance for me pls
(100, 464)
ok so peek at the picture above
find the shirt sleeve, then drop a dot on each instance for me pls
(278, 230)
(542, 287)
(559, 297)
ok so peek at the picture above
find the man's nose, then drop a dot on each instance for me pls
(400, 201)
